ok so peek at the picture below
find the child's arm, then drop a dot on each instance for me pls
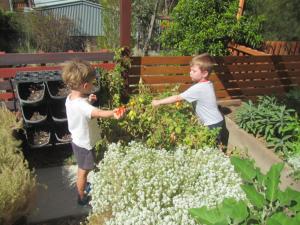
(168, 100)
(99, 113)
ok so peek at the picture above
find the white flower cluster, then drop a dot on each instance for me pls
(294, 161)
(145, 186)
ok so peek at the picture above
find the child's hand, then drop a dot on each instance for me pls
(155, 102)
(92, 98)
(119, 112)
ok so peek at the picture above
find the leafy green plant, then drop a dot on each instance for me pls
(271, 120)
(18, 183)
(267, 205)
(167, 126)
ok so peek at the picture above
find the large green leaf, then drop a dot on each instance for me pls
(281, 219)
(236, 210)
(273, 179)
(244, 167)
(208, 216)
(287, 196)
(254, 197)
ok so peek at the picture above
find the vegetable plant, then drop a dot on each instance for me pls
(266, 205)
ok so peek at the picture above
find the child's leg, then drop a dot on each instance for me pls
(81, 181)
(86, 162)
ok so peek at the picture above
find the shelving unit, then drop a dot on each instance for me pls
(42, 98)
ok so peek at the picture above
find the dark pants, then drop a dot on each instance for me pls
(223, 135)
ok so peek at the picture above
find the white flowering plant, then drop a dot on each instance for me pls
(139, 185)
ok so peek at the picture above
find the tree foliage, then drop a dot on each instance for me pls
(9, 31)
(282, 19)
(110, 24)
(208, 26)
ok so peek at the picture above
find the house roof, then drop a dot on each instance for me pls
(45, 3)
(86, 15)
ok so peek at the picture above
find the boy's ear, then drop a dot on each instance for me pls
(205, 73)
(84, 85)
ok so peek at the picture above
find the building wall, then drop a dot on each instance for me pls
(86, 16)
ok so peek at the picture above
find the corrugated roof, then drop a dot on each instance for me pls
(43, 3)
(86, 15)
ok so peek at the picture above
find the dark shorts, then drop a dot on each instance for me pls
(223, 135)
(85, 158)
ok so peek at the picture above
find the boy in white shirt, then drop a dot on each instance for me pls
(82, 123)
(202, 96)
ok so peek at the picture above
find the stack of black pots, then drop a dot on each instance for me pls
(42, 98)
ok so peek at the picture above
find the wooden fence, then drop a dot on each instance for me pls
(235, 77)
(282, 47)
(11, 63)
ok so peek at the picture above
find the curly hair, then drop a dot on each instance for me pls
(77, 72)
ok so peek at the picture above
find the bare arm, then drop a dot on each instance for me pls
(168, 100)
(98, 113)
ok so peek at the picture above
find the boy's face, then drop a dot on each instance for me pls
(197, 74)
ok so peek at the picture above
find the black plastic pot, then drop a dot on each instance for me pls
(38, 137)
(34, 114)
(62, 133)
(30, 93)
(57, 89)
(58, 111)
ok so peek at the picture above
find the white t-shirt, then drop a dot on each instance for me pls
(203, 97)
(84, 130)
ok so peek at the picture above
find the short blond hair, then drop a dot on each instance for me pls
(204, 61)
(77, 72)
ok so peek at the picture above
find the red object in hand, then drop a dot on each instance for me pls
(120, 111)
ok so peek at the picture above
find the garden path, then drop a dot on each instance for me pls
(56, 196)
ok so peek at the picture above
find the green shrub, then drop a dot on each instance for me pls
(18, 183)
(167, 127)
(208, 26)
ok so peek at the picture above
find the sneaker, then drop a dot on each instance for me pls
(84, 201)
(87, 188)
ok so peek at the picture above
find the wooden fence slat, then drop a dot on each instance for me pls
(11, 72)
(153, 60)
(39, 58)
(257, 75)
(251, 59)
(257, 67)
(5, 85)
(6, 96)
(166, 79)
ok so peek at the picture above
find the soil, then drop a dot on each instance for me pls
(36, 92)
(66, 137)
(40, 137)
(62, 90)
(36, 116)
